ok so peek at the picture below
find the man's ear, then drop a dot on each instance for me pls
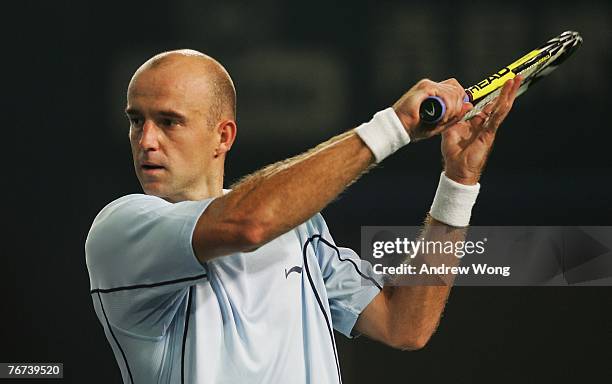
(227, 134)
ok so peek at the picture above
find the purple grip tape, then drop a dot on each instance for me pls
(433, 109)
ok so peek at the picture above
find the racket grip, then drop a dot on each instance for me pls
(432, 109)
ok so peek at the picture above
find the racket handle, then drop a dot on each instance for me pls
(432, 109)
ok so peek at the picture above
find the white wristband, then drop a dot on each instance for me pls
(384, 134)
(453, 202)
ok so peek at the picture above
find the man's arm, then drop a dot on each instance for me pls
(279, 197)
(282, 196)
(406, 316)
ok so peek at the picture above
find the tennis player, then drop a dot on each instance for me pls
(196, 284)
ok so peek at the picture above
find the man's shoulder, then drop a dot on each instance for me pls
(131, 198)
(111, 226)
(121, 209)
(131, 201)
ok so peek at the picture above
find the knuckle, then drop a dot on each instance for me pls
(454, 82)
(426, 84)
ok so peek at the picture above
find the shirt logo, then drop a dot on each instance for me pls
(296, 269)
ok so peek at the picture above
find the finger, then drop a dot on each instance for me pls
(506, 93)
(509, 94)
(466, 107)
(457, 107)
(457, 86)
(518, 81)
(479, 119)
(453, 82)
(502, 105)
(461, 94)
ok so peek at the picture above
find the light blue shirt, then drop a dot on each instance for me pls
(260, 317)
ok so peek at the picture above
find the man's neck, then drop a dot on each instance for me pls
(208, 189)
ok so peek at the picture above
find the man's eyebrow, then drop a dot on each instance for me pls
(164, 113)
(171, 113)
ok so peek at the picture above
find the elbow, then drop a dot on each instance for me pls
(253, 236)
(411, 342)
(256, 228)
(416, 343)
(245, 225)
(216, 236)
(227, 227)
(252, 231)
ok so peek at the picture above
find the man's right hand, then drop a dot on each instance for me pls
(407, 107)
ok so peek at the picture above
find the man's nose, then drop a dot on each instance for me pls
(149, 140)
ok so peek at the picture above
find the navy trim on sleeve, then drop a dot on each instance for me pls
(329, 244)
(115, 338)
(152, 285)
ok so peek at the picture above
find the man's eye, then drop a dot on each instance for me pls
(135, 121)
(168, 122)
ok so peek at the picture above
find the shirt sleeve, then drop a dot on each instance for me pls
(350, 281)
(141, 261)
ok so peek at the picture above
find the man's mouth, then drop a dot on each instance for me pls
(151, 168)
(146, 166)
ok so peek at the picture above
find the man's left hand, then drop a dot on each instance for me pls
(466, 144)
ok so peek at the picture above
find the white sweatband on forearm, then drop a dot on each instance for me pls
(453, 202)
(384, 134)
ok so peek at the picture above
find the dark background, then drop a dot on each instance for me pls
(305, 71)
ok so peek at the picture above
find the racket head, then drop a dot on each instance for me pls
(533, 67)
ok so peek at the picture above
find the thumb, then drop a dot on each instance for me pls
(466, 108)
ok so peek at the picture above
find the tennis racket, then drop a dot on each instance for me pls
(532, 67)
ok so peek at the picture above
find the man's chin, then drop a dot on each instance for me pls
(155, 189)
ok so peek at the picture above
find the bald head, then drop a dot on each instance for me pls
(195, 67)
(181, 108)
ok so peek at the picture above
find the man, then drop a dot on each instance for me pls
(196, 284)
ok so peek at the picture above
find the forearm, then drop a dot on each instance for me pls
(281, 196)
(286, 194)
(414, 306)
(406, 315)
(413, 311)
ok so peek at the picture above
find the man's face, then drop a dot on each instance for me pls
(172, 142)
